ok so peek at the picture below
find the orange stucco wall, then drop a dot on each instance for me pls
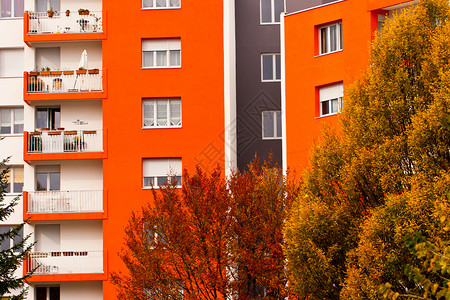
(199, 82)
(306, 71)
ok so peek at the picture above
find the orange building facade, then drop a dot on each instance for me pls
(326, 48)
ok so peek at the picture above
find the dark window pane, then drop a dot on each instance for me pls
(18, 238)
(161, 180)
(41, 181)
(325, 110)
(56, 118)
(266, 11)
(55, 181)
(279, 134)
(6, 129)
(323, 40)
(333, 38)
(18, 128)
(41, 118)
(278, 66)
(268, 123)
(18, 8)
(340, 37)
(54, 293)
(41, 293)
(267, 67)
(6, 243)
(148, 181)
(176, 180)
(279, 8)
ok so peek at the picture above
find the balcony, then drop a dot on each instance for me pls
(58, 85)
(64, 205)
(64, 144)
(40, 27)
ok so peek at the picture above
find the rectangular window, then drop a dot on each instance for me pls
(271, 124)
(8, 243)
(161, 4)
(161, 113)
(270, 11)
(11, 63)
(14, 180)
(48, 178)
(330, 38)
(11, 8)
(11, 121)
(331, 99)
(47, 293)
(271, 67)
(159, 171)
(161, 53)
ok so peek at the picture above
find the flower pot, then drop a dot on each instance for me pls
(67, 13)
(68, 72)
(50, 14)
(79, 72)
(55, 72)
(93, 71)
(44, 73)
(84, 13)
(33, 73)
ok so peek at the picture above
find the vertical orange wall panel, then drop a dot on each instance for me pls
(199, 83)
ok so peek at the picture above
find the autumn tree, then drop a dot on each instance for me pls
(368, 189)
(11, 257)
(216, 238)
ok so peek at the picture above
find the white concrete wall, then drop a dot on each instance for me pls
(75, 174)
(11, 31)
(70, 55)
(72, 5)
(86, 290)
(11, 91)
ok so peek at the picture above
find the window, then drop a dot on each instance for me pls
(271, 10)
(161, 53)
(48, 117)
(331, 99)
(11, 8)
(161, 113)
(48, 178)
(8, 242)
(157, 4)
(14, 180)
(271, 67)
(47, 293)
(158, 171)
(381, 20)
(330, 38)
(11, 63)
(11, 121)
(271, 124)
(44, 5)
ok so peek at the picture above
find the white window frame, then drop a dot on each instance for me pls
(154, 3)
(274, 67)
(155, 101)
(329, 94)
(338, 40)
(275, 126)
(272, 13)
(12, 122)
(155, 169)
(11, 176)
(167, 46)
(13, 10)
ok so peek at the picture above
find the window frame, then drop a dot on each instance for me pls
(22, 55)
(11, 179)
(13, 10)
(339, 38)
(12, 120)
(156, 8)
(155, 113)
(274, 67)
(272, 13)
(275, 126)
(169, 173)
(167, 50)
(12, 241)
(339, 95)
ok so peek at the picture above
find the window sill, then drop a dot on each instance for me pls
(272, 23)
(11, 135)
(11, 18)
(276, 80)
(13, 194)
(271, 138)
(153, 68)
(161, 127)
(329, 115)
(158, 187)
(159, 8)
(328, 53)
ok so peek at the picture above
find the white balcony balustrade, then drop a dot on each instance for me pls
(60, 23)
(57, 141)
(65, 81)
(66, 262)
(48, 202)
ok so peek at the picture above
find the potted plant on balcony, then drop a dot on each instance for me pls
(51, 12)
(83, 11)
(45, 71)
(57, 72)
(68, 72)
(93, 71)
(81, 71)
(33, 73)
(67, 13)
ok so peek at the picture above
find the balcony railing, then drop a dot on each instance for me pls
(57, 141)
(65, 81)
(66, 262)
(60, 23)
(45, 202)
